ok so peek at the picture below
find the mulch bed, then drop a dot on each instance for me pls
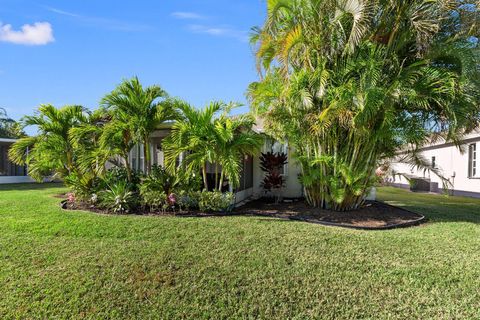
(373, 216)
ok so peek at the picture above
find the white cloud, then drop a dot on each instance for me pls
(188, 15)
(37, 34)
(219, 32)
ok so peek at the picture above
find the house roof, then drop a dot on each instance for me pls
(441, 142)
(8, 140)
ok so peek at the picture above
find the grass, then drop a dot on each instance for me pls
(57, 264)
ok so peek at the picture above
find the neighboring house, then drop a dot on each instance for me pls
(9, 172)
(460, 167)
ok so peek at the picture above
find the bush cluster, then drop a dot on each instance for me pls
(158, 192)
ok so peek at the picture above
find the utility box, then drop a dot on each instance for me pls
(434, 187)
(420, 185)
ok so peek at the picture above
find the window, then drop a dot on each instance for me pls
(472, 160)
(433, 162)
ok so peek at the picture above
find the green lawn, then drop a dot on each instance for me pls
(57, 264)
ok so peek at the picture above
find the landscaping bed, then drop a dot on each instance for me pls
(373, 215)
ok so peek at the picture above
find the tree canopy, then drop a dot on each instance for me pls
(351, 82)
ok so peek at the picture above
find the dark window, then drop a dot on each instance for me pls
(472, 160)
(8, 168)
(246, 175)
(433, 162)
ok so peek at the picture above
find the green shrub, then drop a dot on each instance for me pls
(189, 182)
(117, 174)
(188, 200)
(161, 180)
(215, 201)
(82, 186)
(153, 199)
(119, 197)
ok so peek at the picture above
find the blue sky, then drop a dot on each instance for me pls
(74, 52)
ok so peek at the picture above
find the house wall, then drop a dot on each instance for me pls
(292, 189)
(14, 179)
(452, 163)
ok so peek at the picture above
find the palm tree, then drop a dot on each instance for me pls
(193, 134)
(86, 139)
(139, 111)
(51, 150)
(117, 140)
(9, 128)
(209, 136)
(350, 83)
(234, 140)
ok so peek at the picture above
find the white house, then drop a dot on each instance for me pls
(459, 165)
(9, 172)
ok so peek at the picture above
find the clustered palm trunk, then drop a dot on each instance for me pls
(351, 82)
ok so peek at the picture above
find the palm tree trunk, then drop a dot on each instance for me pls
(127, 167)
(216, 176)
(147, 155)
(221, 181)
(204, 173)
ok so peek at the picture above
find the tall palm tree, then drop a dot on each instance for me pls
(234, 140)
(209, 136)
(117, 140)
(193, 134)
(86, 139)
(139, 111)
(351, 82)
(51, 150)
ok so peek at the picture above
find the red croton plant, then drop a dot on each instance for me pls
(272, 164)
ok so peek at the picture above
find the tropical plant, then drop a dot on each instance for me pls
(117, 140)
(9, 128)
(160, 179)
(215, 201)
(51, 151)
(153, 199)
(137, 112)
(209, 136)
(272, 163)
(235, 139)
(352, 82)
(116, 174)
(119, 197)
